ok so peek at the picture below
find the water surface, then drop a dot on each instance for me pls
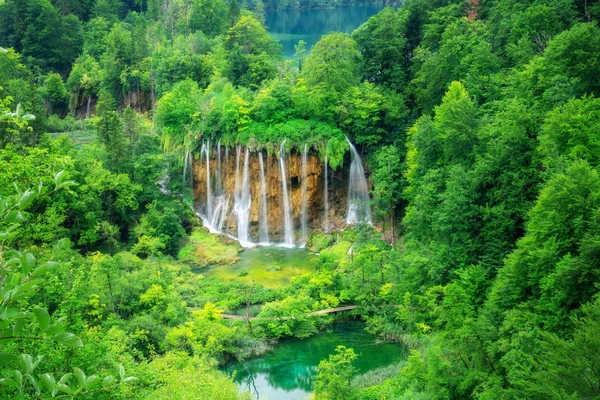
(270, 266)
(288, 372)
(290, 26)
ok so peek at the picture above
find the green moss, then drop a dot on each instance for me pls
(204, 248)
(338, 252)
(319, 241)
(259, 263)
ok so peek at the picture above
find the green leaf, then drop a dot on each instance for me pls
(28, 363)
(59, 246)
(81, 379)
(65, 378)
(68, 339)
(108, 381)
(18, 377)
(14, 217)
(92, 382)
(122, 372)
(9, 382)
(43, 318)
(27, 263)
(7, 358)
(48, 266)
(50, 383)
(55, 329)
(26, 199)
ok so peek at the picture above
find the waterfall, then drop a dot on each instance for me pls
(262, 211)
(287, 217)
(359, 209)
(326, 197)
(187, 165)
(217, 206)
(304, 199)
(218, 177)
(243, 200)
(205, 151)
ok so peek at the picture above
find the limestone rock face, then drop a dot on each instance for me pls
(273, 181)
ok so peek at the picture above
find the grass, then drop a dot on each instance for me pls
(377, 376)
(204, 248)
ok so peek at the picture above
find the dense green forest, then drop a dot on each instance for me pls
(479, 125)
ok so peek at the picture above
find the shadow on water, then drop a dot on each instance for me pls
(288, 372)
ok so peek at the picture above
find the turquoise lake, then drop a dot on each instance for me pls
(288, 372)
(290, 26)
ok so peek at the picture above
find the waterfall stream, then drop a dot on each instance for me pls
(359, 209)
(218, 177)
(205, 150)
(243, 201)
(187, 166)
(262, 212)
(303, 222)
(287, 217)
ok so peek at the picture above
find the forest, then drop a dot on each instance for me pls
(477, 250)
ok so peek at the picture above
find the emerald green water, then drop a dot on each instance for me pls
(270, 266)
(288, 372)
(290, 26)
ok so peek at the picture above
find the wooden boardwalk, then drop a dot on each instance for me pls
(320, 312)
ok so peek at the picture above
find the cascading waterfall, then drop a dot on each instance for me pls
(359, 209)
(243, 200)
(187, 166)
(262, 212)
(219, 178)
(326, 198)
(217, 206)
(287, 217)
(204, 150)
(304, 195)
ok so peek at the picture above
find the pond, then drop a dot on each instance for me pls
(290, 26)
(288, 372)
(270, 266)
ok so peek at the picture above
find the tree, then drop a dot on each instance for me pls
(387, 186)
(209, 16)
(300, 53)
(330, 70)
(174, 114)
(55, 95)
(110, 132)
(233, 15)
(36, 29)
(382, 43)
(473, 64)
(333, 375)
(252, 53)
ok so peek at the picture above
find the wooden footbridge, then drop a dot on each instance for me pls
(320, 312)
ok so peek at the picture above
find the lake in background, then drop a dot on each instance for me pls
(290, 26)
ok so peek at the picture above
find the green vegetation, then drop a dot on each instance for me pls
(205, 249)
(478, 125)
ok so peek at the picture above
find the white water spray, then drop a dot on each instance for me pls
(287, 218)
(359, 209)
(262, 211)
